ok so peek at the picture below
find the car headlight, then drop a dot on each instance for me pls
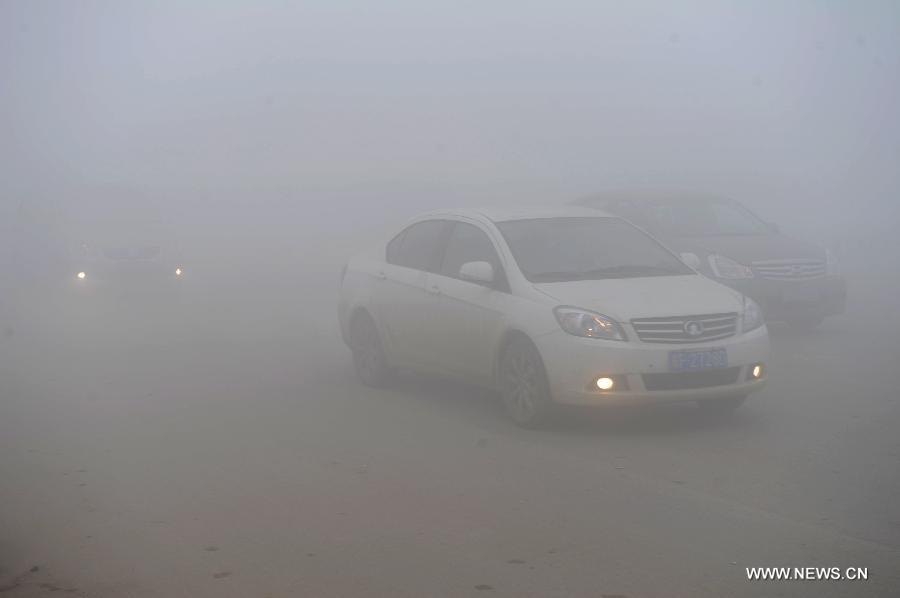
(753, 317)
(588, 324)
(81, 275)
(831, 263)
(725, 267)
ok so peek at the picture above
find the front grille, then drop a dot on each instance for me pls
(689, 380)
(797, 269)
(675, 329)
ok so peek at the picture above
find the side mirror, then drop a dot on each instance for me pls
(691, 260)
(480, 272)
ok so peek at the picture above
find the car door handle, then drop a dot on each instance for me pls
(381, 276)
(434, 290)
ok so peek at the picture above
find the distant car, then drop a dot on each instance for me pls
(565, 306)
(115, 252)
(792, 281)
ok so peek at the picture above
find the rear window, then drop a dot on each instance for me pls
(698, 218)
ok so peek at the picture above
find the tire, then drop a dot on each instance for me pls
(368, 354)
(523, 384)
(722, 406)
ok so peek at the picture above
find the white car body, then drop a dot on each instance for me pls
(434, 322)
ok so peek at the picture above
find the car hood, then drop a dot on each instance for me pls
(657, 296)
(747, 248)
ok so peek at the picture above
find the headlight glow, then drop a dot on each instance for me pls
(81, 275)
(605, 383)
(178, 272)
(588, 324)
(725, 267)
(753, 317)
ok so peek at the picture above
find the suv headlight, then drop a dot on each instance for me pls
(753, 317)
(588, 324)
(725, 267)
(831, 263)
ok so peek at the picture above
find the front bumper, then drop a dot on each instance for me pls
(787, 299)
(151, 290)
(139, 276)
(573, 364)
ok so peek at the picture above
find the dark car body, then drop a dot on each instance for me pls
(790, 279)
(110, 252)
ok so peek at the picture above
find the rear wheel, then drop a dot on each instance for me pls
(722, 405)
(523, 384)
(368, 354)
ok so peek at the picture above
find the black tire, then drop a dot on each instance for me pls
(722, 405)
(368, 354)
(523, 384)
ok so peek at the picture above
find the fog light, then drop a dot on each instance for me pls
(81, 275)
(757, 370)
(605, 383)
(177, 271)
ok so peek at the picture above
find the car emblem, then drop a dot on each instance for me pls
(693, 328)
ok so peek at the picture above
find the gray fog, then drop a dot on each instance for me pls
(207, 436)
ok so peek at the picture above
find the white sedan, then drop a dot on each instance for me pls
(549, 306)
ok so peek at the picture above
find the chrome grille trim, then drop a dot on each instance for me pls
(670, 330)
(792, 269)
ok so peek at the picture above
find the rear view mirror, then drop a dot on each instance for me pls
(480, 272)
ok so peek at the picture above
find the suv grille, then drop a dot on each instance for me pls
(679, 329)
(688, 380)
(789, 269)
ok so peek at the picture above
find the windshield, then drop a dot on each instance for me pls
(702, 217)
(564, 249)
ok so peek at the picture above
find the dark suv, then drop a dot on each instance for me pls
(792, 281)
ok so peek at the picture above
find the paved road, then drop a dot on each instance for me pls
(219, 446)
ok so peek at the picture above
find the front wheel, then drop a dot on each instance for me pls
(523, 384)
(368, 354)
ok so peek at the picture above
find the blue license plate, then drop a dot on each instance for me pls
(691, 361)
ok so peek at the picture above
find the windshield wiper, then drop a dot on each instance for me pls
(641, 269)
(558, 276)
(624, 271)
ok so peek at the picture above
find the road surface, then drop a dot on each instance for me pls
(217, 444)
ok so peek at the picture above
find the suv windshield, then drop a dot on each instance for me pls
(702, 217)
(586, 248)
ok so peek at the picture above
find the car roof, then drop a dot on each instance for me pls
(505, 213)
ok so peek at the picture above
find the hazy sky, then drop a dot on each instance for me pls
(781, 100)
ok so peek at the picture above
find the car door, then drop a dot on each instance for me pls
(399, 297)
(470, 316)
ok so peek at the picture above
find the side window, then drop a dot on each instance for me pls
(393, 248)
(418, 246)
(468, 243)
